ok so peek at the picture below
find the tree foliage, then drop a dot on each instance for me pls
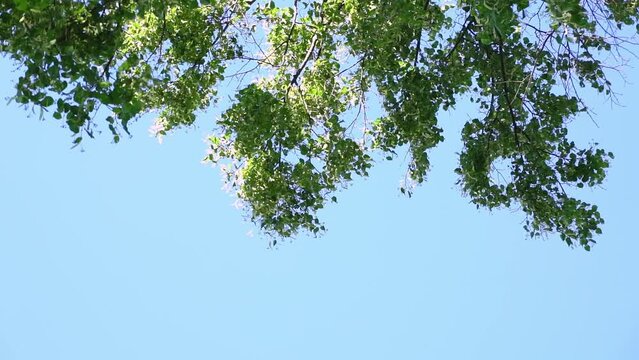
(300, 130)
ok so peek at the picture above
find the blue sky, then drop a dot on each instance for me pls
(132, 251)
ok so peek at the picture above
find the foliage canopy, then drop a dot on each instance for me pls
(299, 131)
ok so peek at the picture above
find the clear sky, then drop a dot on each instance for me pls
(132, 251)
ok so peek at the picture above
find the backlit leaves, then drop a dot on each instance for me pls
(301, 129)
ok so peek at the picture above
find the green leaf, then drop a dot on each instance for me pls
(48, 101)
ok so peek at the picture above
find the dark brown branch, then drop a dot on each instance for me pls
(462, 33)
(307, 57)
(419, 37)
(507, 90)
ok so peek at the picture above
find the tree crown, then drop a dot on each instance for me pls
(300, 130)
